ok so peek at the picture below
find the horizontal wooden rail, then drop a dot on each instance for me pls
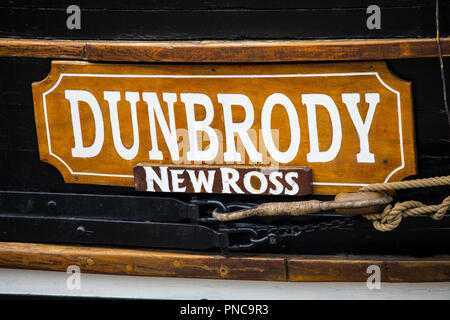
(224, 51)
(212, 266)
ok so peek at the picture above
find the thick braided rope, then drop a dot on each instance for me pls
(388, 220)
(418, 183)
(391, 217)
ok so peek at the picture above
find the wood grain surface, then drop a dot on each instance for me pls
(213, 266)
(225, 51)
(390, 139)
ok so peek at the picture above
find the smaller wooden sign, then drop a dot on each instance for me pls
(294, 181)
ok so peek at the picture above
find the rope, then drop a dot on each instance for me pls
(391, 217)
(408, 184)
(388, 220)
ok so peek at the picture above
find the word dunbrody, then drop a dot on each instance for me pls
(231, 128)
(350, 123)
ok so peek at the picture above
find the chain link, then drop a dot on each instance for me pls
(257, 235)
(273, 235)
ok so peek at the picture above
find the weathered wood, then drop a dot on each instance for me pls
(265, 51)
(225, 51)
(141, 262)
(332, 268)
(354, 269)
(61, 49)
(212, 266)
(420, 270)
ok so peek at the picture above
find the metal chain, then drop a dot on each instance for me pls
(272, 235)
(258, 234)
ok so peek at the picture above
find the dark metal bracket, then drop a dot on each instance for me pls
(44, 229)
(132, 208)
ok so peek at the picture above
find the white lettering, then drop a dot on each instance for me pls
(351, 100)
(278, 186)
(170, 135)
(241, 128)
(197, 183)
(132, 97)
(194, 126)
(289, 179)
(311, 100)
(176, 180)
(229, 178)
(79, 150)
(162, 182)
(266, 116)
(248, 185)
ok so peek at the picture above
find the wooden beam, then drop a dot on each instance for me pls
(56, 49)
(140, 262)
(224, 51)
(354, 269)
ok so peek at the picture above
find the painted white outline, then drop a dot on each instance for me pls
(299, 75)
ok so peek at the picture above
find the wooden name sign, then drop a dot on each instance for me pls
(293, 181)
(252, 129)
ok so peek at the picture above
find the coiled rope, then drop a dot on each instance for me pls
(370, 197)
(391, 216)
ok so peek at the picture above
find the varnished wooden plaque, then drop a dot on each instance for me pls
(351, 123)
(213, 179)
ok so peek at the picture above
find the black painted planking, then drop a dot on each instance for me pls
(426, 78)
(17, 125)
(418, 236)
(412, 237)
(17, 128)
(50, 23)
(116, 206)
(16, 77)
(22, 170)
(47, 229)
(215, 4)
